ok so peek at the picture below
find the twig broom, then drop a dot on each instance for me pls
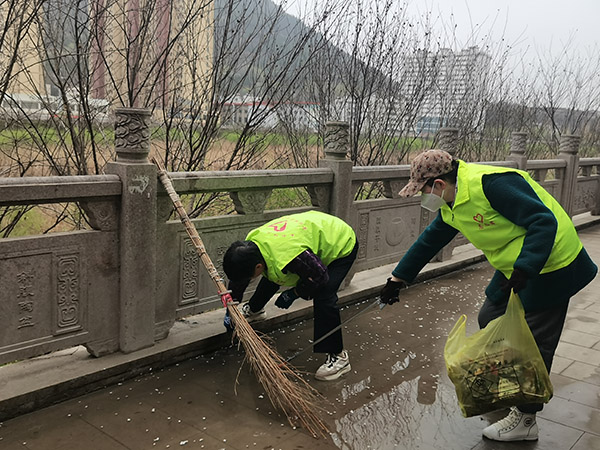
(286, 389)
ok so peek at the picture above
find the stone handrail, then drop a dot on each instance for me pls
(218, 181)
(38, 190)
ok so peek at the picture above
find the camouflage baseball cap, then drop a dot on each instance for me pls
(426, 165)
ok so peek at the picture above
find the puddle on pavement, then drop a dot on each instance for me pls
(397, 394)
(397, 419)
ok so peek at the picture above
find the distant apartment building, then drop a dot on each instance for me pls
(236, 113)
(162, 60)
(21, 68)
(450, 86)
(145, 53)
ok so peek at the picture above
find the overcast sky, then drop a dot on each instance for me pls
(537, 24)
(527, 25)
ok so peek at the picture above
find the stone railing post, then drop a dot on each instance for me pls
(336, 146)
(518, 145)
(568, 150)
(137, 238)
(447, 140)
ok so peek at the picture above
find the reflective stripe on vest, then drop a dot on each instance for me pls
(500, 239)
(282, 239)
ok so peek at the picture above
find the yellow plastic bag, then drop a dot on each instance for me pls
(497, 367)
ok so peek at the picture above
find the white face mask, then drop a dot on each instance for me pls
(432, 202)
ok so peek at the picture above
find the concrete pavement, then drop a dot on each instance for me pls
(396, 397)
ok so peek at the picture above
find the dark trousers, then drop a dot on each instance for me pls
(327, 313)
(546, 327)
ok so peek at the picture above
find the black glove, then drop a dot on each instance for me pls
(286, 298)
(305, 289)
(517, 281)
(391, 290)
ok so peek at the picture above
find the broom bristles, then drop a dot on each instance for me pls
(285, 387)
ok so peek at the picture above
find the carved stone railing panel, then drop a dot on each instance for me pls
(320, 196)
(587, 193)
(189, 272)
(58, 291)
(391, 188)
(102, 215)
(586, 196)
(164, 209)
(69, 292)
(384, 230)
(539, 175)
(250, 202)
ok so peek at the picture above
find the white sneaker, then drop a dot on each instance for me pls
(250, 315)
(334, 367)
(517, 426)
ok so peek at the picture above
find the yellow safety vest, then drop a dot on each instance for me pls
(282, 239)
(500, 239)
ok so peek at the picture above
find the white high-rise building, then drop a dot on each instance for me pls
(452, 87)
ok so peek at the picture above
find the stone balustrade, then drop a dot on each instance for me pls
(121, 285)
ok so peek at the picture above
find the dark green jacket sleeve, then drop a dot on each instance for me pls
(437, 235)
(513, 197)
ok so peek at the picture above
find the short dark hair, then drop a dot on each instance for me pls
(240, 260)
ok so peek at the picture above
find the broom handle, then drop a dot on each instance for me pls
(325, 336)
(192, 233)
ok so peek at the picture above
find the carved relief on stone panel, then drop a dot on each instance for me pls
(391, 230)
(102, 215)
(219, 253)
(138, 184)
(250, 202)
(376, 239)
(320, 196)
(402, 228)
(391, 188)
(426, 218)
(164, 209)
(132, 131)
(336, 141)
(585, 195)
(26, 298)
(189, 272)
(68, 273)
(398, 230)
(363, 234)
